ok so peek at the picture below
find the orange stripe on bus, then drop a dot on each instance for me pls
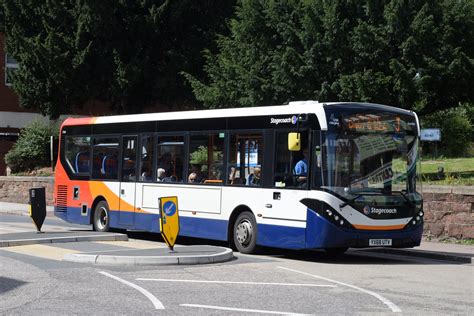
(100, 188)
(392, 227)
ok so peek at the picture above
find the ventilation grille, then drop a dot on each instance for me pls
(61, 198)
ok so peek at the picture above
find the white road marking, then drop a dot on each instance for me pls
(391, 305)
(156, 302)
(233, 282)
(244, 310)
(4, 229)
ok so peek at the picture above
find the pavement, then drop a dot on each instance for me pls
(199, 254)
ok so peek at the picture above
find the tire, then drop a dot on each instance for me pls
(101, 220)
(334, 252)
(245, 233)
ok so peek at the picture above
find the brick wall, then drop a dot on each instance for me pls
(449, 211)
(15, 189)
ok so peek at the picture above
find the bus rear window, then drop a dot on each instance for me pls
(77, 154)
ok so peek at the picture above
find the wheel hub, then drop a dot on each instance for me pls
(244, 232)
(102, 222)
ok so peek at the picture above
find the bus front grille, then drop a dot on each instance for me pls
(61, 198)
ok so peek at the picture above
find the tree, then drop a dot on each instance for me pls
(412, 54)
(32, 149)
(125, 53)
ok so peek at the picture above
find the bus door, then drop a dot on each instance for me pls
(128, 180)
(290, 180)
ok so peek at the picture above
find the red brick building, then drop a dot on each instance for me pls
(12, 117)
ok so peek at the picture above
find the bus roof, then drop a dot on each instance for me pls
(298, 107)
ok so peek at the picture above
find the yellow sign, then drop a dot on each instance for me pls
(169, 219)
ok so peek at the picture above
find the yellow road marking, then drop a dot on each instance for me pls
(42, 251)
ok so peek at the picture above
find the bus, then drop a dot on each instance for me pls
(305, 175)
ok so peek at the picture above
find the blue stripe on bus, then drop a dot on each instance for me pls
(320, 233)
(188, 226)
(203, 228)
(281, 236)
(72, 215)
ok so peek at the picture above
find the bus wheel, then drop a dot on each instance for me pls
(101, 217)
(245, 233)
(334, 252)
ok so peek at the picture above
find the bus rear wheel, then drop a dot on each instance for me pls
(101, 220)
(245, 233)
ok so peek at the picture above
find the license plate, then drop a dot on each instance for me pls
(380, 242)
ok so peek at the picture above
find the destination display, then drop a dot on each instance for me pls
(373, 122)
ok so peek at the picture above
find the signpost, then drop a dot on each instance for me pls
(38, 207)
(169, 219)
(431, 135)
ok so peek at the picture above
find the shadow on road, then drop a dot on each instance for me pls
(7, 284)
(352, 256)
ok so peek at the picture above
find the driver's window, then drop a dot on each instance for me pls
(291, 167)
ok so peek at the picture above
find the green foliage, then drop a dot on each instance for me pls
(124, 53)
(32, 148)
(412, 54)
(457, 130)
(200, 156)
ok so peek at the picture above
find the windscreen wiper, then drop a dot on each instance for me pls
(410, 203)
(361, 192)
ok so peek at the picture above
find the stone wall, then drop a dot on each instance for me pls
(16, 189)
(449, 211)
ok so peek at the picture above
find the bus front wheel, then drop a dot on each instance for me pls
(101, 217)
(245, 233)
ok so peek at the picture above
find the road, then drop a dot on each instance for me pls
(33, 279)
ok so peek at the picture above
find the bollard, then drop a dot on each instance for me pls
(38, 206)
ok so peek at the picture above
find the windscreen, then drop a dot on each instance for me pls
(368, 151)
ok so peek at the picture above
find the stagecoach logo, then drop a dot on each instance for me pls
(375, 210)
(333, 120)
(293, 120)
(366, 210)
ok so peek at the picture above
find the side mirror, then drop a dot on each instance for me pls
(294, 141)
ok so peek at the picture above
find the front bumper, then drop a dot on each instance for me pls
(320, 233)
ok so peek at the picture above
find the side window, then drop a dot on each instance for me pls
(170, 159)
(245, 159)
(129, 160)
(291, 167)
(206, 158)
(77, 154)
(146, 159)
(105, 158)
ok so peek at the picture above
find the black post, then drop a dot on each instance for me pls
(38, 206)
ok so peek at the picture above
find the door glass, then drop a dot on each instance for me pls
(291, 167)
(129, 161)
(146, 159)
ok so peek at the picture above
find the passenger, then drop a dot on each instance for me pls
(301, 168)
(195, 176)
(161, 174)
(254, 179)
(165, 162)
(146, 176)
